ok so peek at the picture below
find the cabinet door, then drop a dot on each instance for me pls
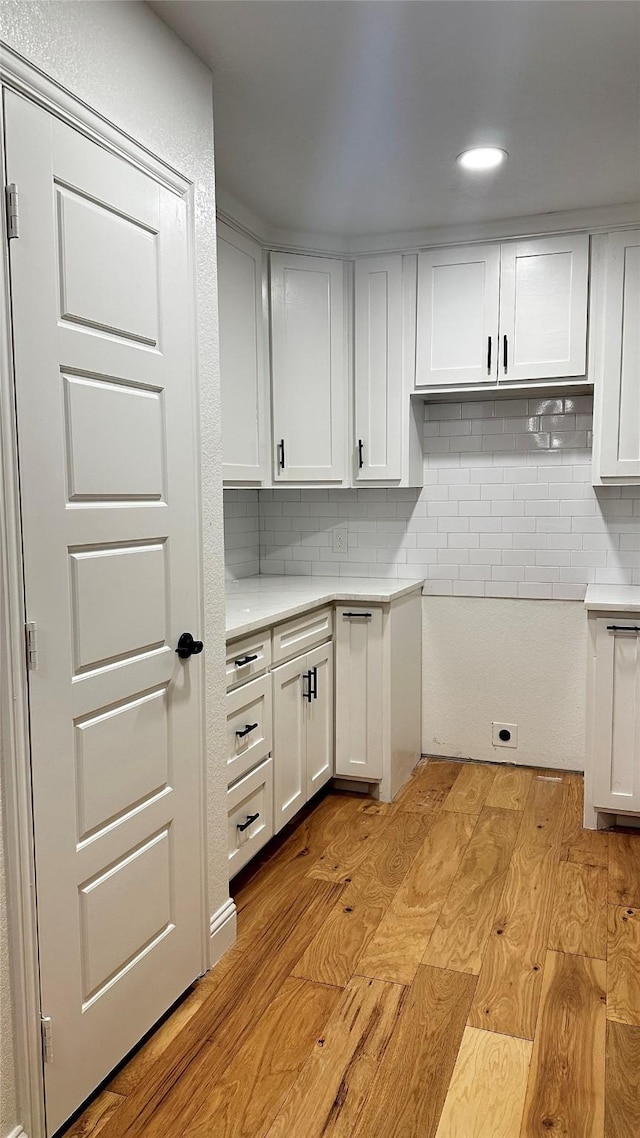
(616, 715)
(543, 308)
(359, 691)
(378, 368)
(242, 364)
(320, 725)
(309, 368)
(290, 702)
(457, 329)
(617, 412)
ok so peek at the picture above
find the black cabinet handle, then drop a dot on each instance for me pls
(281, 454)
(623, 628)
(187, 646)
(249, 727)
(308, 694)
(242, 660)
(504, 355)
(362, 615)
(245, 825)
(360, 454)
(314, 687)
(489, 355)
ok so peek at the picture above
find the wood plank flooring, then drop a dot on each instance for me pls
(464, 963)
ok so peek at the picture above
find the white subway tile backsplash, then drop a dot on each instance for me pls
(507, 510)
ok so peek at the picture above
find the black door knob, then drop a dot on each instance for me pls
(187, 646)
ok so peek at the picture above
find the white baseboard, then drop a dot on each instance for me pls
(223, 930)
(17, 1132)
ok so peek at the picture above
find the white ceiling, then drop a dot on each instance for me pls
(345, 118)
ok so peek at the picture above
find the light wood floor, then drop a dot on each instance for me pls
(462, 964)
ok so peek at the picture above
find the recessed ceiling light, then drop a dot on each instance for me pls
(482, 158)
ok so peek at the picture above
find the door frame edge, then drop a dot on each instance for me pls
(24, 78)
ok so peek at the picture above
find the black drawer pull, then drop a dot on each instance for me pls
(362, 615)
(245, 825)
(360, 454)
(623, 628)
(242, 660)
(249, 727)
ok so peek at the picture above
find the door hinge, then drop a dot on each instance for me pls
(46, 1028)
(13, 219)
(31, 642)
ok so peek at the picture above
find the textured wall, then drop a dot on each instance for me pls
(124, 62)
(241, 534)
(507, 510)
(505, 661)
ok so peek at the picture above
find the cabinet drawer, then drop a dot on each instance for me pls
(304, 632)
(248, 726)
(248, 657)
(251, 798)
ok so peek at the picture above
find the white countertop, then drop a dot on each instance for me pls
(613, 598)
(255, 602)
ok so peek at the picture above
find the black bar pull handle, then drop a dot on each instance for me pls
(505, 354)
(314, 687)
(248, 727)
(281, 454)
(489, 355)
(362, 615)
(623, 628)
(242, 660)
(245, 825)
(360, 454)
(308, 694)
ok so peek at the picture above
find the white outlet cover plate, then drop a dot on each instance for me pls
(340, 540)
(496, 728)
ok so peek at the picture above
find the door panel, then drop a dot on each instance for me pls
(102, 310)
(543, 308)
(457, 326)
(309, 367)
(617, 413)
(378, 366)
(104, 422)
(320, 722)
(616, 759)
(242, 357)
(290, 686)
(359, 691)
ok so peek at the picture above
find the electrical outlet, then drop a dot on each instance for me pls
(504, 734)
(340, 541)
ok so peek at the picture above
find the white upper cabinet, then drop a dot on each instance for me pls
(242, 358)
(457, 329)
(543, 308)
(509, 313)
(309, 368)
(378, 368)
(387, 448)
(616, 347)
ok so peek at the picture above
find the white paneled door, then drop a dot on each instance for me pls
(309, 371)
(543, 307)
(457, 328)
(102, 312)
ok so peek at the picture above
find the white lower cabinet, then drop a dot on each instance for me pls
(379, 692)
(359, 681)
(303, 730)
(250, 815)
(613, 754)
(248, 727)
